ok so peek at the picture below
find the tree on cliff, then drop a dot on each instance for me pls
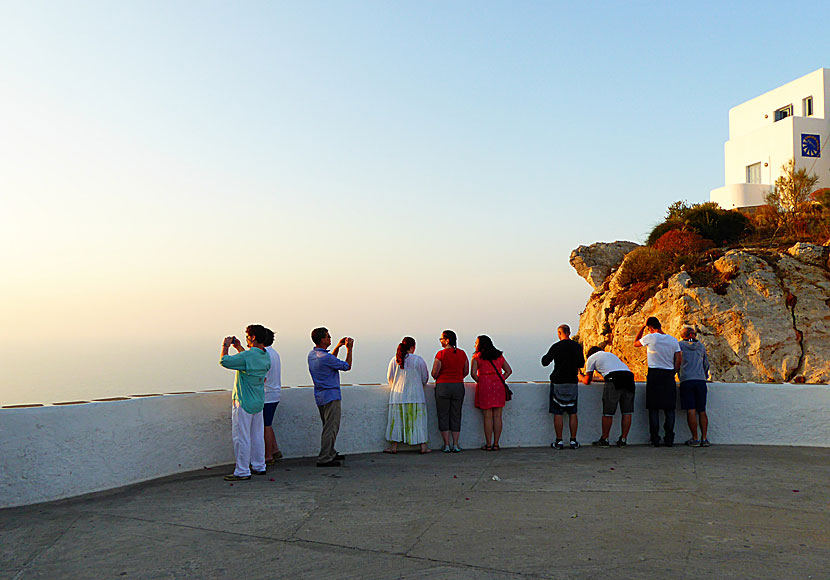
(790, 196)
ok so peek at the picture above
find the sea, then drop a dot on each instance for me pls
(83, 372)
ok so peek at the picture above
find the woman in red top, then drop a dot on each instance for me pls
(489, 371)
(448, 370)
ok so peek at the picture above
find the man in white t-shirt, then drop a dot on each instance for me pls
(664, 360)
(619, 389)
(273, 382)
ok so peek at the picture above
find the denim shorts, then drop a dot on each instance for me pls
(693, 395)
(268, 413)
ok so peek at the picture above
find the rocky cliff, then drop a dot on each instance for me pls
(767, 321)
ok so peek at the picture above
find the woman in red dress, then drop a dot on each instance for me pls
(489, 370)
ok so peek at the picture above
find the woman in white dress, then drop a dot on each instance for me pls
(407, 422)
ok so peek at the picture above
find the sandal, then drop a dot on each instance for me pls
(486, 447)
(390, 451)
(496, 447)
(425, 451)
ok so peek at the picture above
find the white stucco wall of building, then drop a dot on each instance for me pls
(757, 113)
(55, 452)
(755, 137)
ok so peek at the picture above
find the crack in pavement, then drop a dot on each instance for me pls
(40, 553)
(296, 541)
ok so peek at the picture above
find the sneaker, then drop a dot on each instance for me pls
(255, 472)
(693, 442)
(446, 449)
(704, 443)
(601, 443)
(456, 449)
(654, 443)
(558, 444)
(574, 444)
(621, 442)
(233, 477)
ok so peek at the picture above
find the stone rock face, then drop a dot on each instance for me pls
(770, 323)
(595, 262)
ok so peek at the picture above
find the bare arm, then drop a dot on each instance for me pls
(507, 371)
(349, 349)
(474, 371)
(466, 368)
(340, 343)
(436, 369)
(639, 336)
(678, 360)
(586, 378)
(225, 346)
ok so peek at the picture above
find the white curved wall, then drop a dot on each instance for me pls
(55, 452)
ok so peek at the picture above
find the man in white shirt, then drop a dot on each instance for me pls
(664, 360)
(619, 389)
(273, 382)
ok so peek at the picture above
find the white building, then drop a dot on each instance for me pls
(790, 122)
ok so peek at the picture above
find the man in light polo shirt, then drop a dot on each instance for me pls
(248, 396)
(619, 389)
(664, 360)
(325, 368)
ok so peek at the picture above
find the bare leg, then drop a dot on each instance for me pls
(557, 425)
(487, 415)
(445, 435)
(626, 426)
(691, 419)
(270, 444)
(455, 436)
(606, 426)
(704, 425)
(425, 449)
(573, 424)
(497, 425)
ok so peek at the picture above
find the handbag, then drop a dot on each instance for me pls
(508, 394)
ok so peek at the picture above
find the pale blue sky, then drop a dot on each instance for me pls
(178, 169)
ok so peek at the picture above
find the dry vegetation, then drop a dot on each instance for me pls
(693, 237)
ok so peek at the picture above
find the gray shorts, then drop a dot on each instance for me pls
(618, 392)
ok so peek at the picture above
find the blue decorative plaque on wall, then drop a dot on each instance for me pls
(810, 145)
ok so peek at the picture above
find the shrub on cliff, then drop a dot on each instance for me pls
(683, 243)
(706, 219)
(791, 194)
(645, 264)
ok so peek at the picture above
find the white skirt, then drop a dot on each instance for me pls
(407, 423)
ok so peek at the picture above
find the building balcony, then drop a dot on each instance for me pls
(740, 195)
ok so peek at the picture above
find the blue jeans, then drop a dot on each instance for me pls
(654, 426)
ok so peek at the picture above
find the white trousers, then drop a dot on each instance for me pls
(248, 432)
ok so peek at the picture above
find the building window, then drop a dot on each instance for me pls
(753, 173)
(784, 112)
(807, 106)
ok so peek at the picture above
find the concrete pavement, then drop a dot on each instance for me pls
(634, 513)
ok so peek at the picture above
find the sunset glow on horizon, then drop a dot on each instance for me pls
(172, 172)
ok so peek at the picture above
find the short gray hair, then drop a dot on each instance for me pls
(564, 328)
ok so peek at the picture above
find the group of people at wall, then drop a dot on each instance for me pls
(666, 357)
(257, 386)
